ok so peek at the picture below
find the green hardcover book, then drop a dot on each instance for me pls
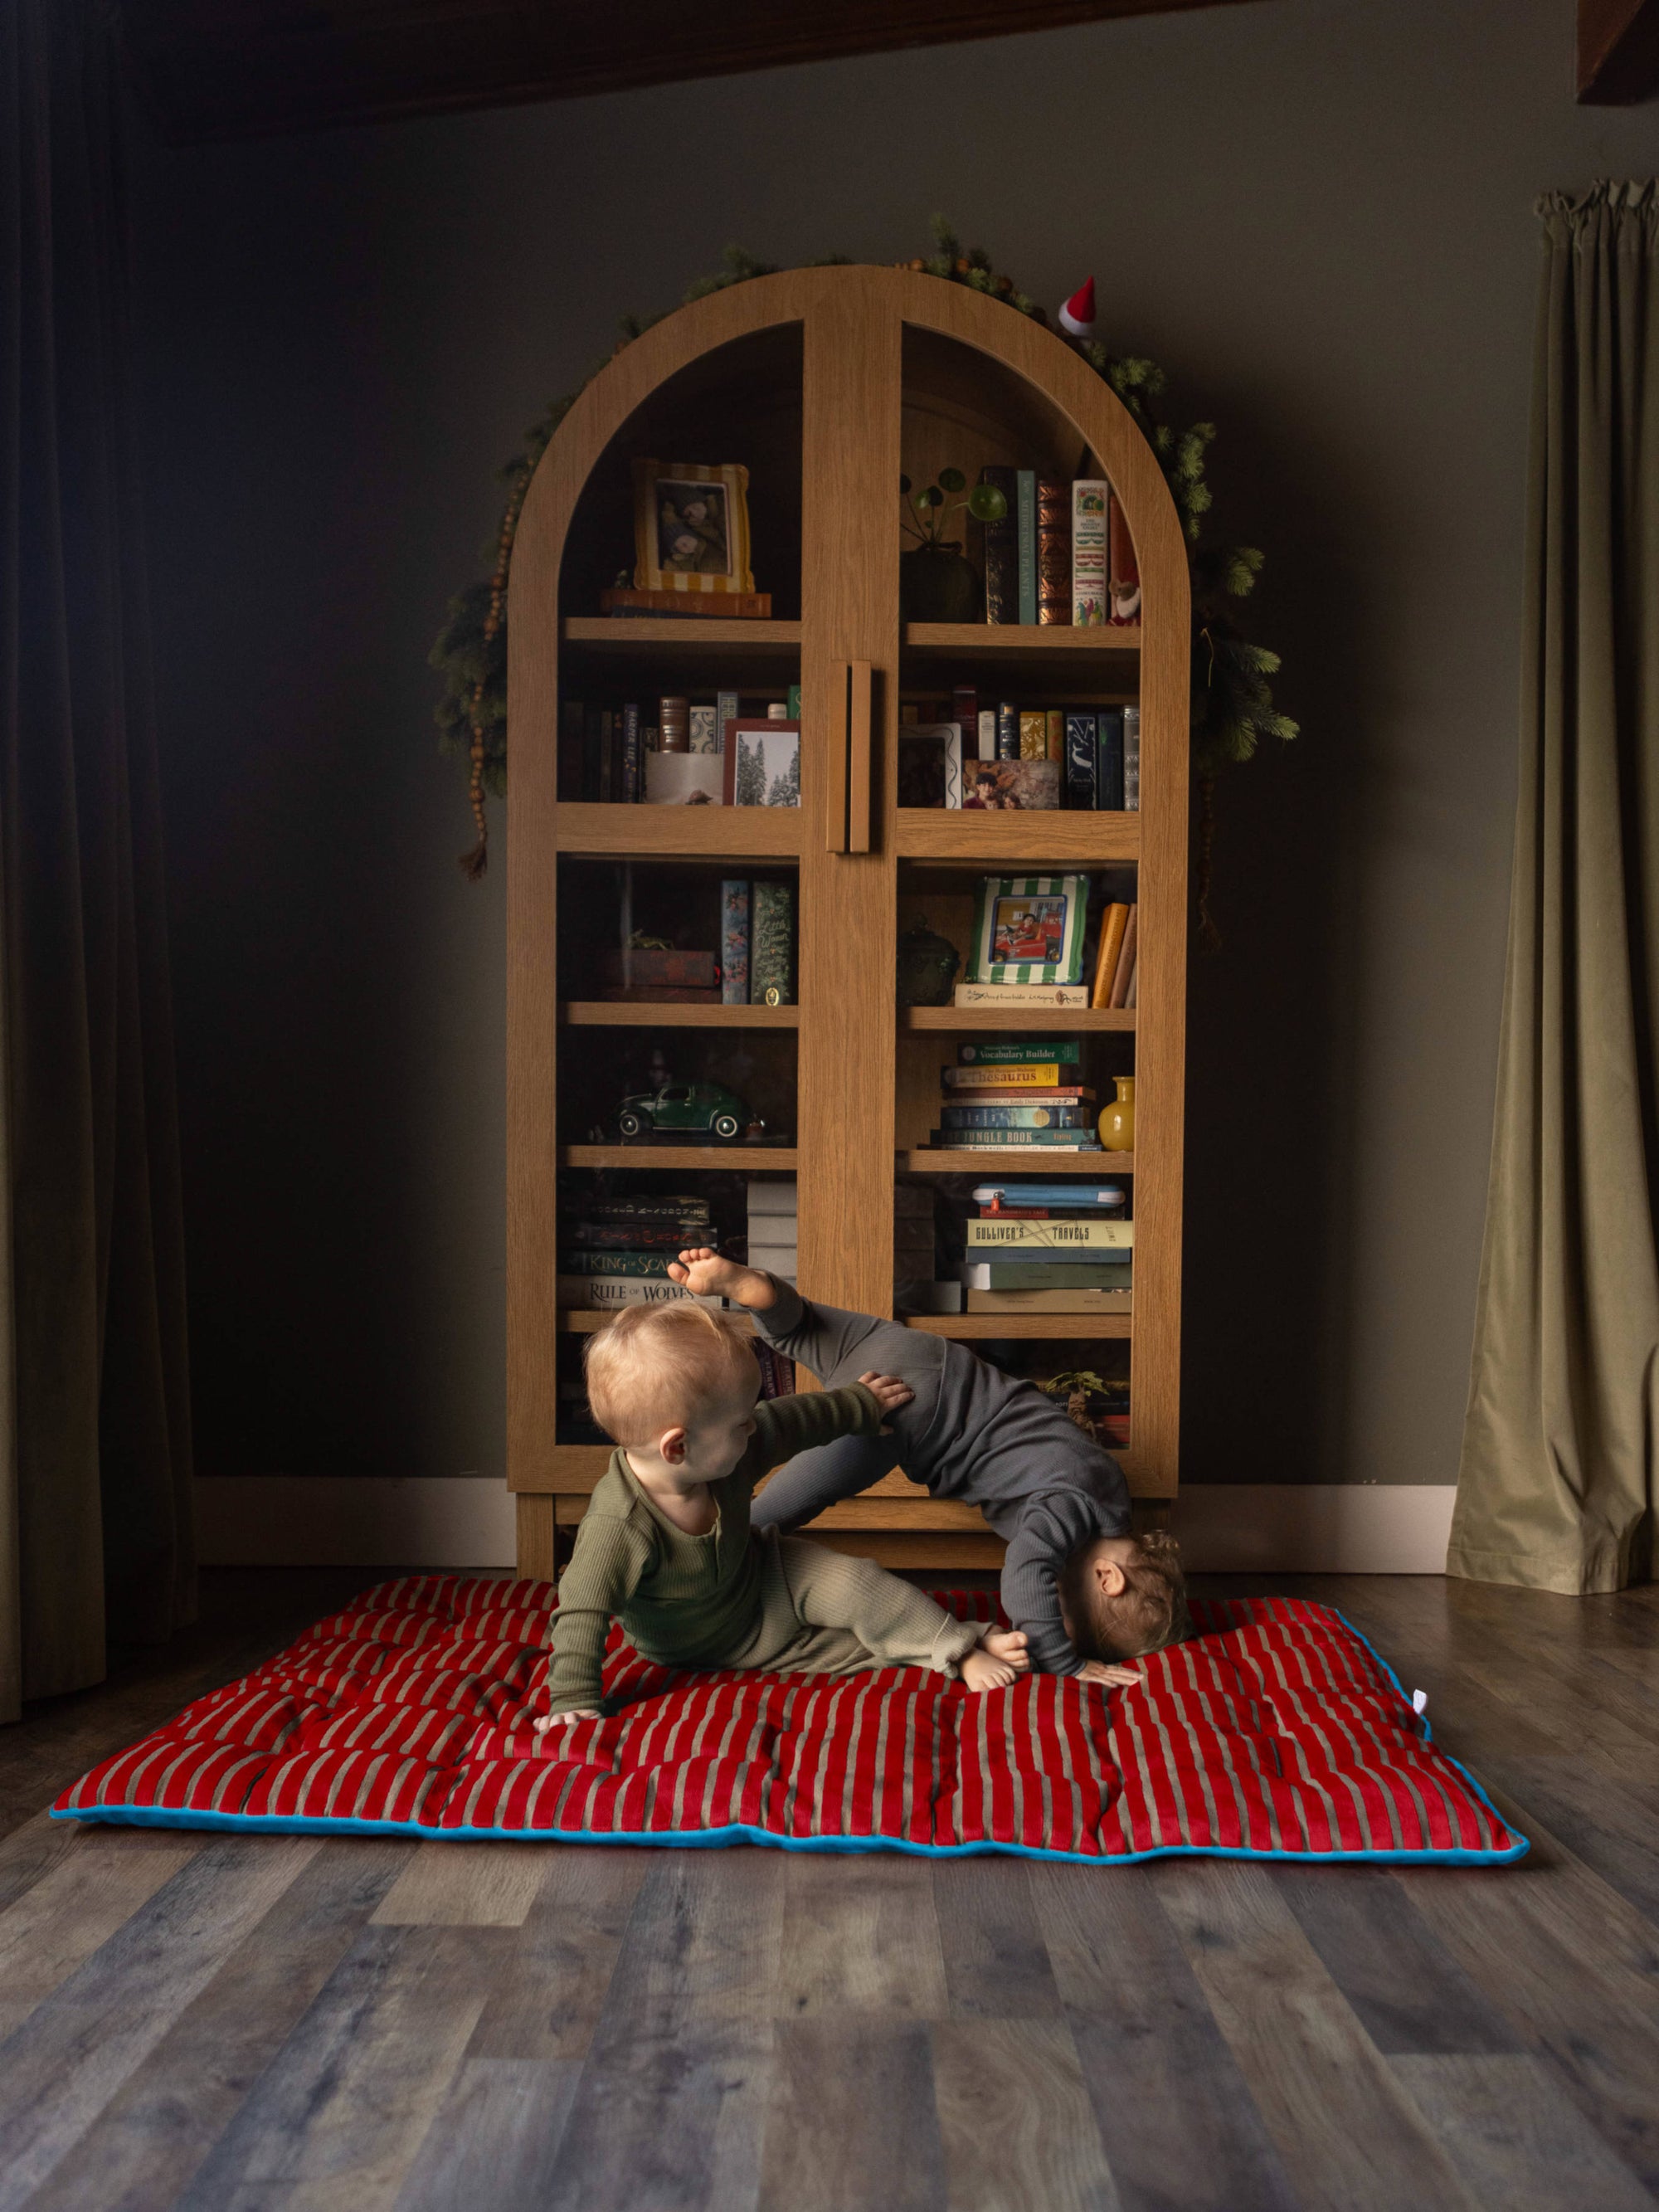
(1067, 1052)
(638, 1264)
(772, 946)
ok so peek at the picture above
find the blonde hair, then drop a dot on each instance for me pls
(657, 1367)
(1149, 1612)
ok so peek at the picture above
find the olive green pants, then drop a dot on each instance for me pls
(825, 1614)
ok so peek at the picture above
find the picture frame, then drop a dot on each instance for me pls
(1028, 929)
(930, 764)
(691, 526)
(761, 765)
(1019, 786)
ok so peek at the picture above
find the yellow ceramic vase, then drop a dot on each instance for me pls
(1117, 1122)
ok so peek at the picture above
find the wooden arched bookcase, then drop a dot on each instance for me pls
(827, 382)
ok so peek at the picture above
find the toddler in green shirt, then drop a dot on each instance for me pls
(665, 1544)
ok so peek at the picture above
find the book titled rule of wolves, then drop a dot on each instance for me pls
(588, 1293)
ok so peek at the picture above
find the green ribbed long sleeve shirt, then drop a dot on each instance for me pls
(684, 1600)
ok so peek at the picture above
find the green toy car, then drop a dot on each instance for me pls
(688, 1106)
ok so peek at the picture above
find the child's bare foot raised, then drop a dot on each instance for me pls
(707, 1274)
(996, 1661)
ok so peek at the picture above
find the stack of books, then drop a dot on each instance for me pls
(1016, 1097)
(615, 1251)
(1049, 1248)
(1117, 964)
(774, 1225)
(1015, 759)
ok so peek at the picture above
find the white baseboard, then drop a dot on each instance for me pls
(465, 1521)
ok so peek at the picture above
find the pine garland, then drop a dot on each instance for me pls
(1232, 705)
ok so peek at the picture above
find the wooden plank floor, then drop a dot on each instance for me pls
(281, 2025)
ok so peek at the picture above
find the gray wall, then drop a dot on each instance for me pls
(1316, 213)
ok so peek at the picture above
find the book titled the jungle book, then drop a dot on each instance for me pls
(1003, 1140)
(1091, 498)
(985, 995)
(1027, 1074)
(1028, 929)
(1060, 1052)
(1087, 1235)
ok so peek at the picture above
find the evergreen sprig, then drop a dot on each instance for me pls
(1232, 705)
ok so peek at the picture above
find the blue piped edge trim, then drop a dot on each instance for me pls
(273, 1824)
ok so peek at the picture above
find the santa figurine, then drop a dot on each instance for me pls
(1076, 317)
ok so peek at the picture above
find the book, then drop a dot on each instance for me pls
(792, 704)
(607, 756)
(1007, 731)
(996, 1140)
(684, 780)
(1033, 734)
(988, 733)
(637, 1236)
(1013, 786)
(1112, 923)
(761, 764)
(1052, 1234)
(1072, 1094)
(645, 965)
(1006, 1075)
(1025, 544)
(1132, 759)
(1054, 729)
(772, 946)
(1080, 1116)
(964, 713)
(677, 1206)
(1078, 1193)
(1125, 961)
(1126, 573)
(704, 730)
(734, 942)
(1091, 555)
(648, 1266)
(1002, 551)
(1109, 788)
(729, 607)
(727, 708)
(1078, 1301)
(573, 728)
(1045, 1275)
(1134, 982)
(1020, 994)
(777, 1371)
(633, 775)
(1062, 1052)
(930, 764)
(1054, 551)
(1082, 764)
(589, 1293)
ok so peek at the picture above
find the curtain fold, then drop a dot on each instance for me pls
(1556, 1488)
(95, 1534)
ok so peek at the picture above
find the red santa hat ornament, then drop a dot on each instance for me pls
(1076, 317)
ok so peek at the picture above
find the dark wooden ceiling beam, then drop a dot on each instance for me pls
(1618, 52)
(233, 69)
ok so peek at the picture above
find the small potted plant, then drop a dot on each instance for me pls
(937, 580)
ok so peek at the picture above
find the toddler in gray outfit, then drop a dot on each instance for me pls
(1088, 1594)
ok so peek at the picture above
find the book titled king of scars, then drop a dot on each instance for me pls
(1028, 929)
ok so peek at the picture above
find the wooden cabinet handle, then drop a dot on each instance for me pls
(846, 827)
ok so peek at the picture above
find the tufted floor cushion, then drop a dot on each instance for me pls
(1274, 1732)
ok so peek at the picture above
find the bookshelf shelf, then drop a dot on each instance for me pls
(611, 1014)
(701, 833)
(1016, 843)
(1085, 651)
(966, 1325)
(1050, 1020)
(1018, 1159)
(712, 636)
(825, 383)
(745, 1159)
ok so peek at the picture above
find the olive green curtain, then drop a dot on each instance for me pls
(96, 1536)
(1555, 1490)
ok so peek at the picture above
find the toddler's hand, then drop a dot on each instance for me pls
(889, 1392)
(1113, 1678)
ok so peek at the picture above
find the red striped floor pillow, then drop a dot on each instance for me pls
(1274, 1732)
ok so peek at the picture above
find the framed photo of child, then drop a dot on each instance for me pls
(691, 526)
(1028, 929)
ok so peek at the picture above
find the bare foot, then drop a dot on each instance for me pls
(706, 1274)
(1009, 1645)
(981, 1671)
